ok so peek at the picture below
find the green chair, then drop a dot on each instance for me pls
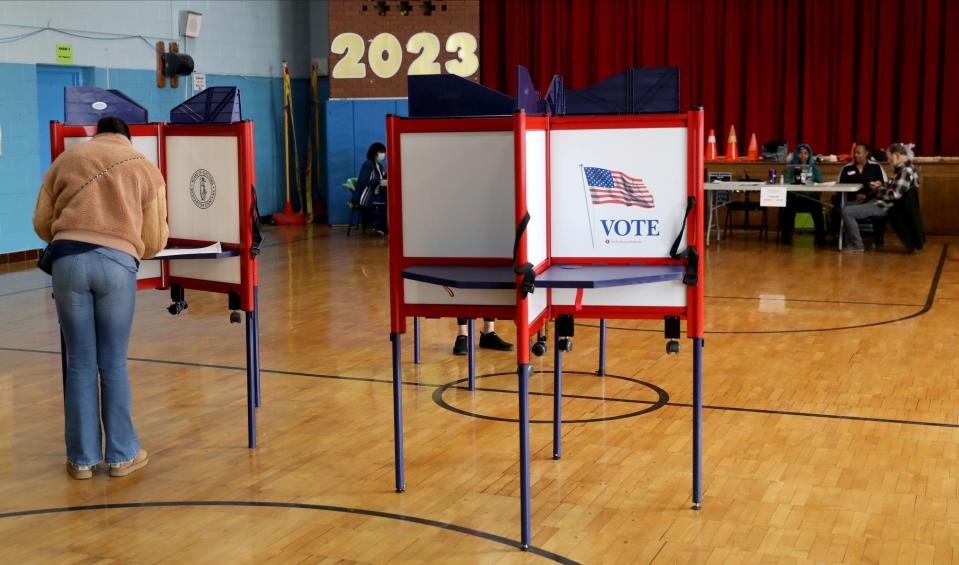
(350, 186)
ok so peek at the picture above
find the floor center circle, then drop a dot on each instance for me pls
(662, 397)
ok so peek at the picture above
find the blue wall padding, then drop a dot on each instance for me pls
(351, 126)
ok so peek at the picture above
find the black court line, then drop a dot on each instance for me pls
(930, 299)
(24, 291)
(508, 391)
(301, 506)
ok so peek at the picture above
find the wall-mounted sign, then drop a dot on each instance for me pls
(376, 44)
(199, 82)
(64, 54)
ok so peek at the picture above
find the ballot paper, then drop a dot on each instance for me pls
(177, 251)
(774, 196)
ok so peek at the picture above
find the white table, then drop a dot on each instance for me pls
(751, 186)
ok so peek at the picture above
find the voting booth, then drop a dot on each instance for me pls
(547, 219)
(213, 222)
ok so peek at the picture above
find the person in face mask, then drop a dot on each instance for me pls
(370, 191)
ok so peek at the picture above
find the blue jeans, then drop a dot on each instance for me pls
(95, 294)
(851, 213)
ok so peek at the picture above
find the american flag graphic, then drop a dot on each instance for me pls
(615, 187)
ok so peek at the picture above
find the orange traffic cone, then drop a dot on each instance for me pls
(732, 147)
(711, 154)
(752, 154)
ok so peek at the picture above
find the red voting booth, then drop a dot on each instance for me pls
(209, 172)
(549, 219)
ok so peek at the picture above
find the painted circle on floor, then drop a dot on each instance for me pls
(662, 398)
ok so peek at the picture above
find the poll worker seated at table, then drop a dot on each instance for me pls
(866, 172)
(370, 193)
(906, 217)
(102, 208)
(488, 338)
(905, 182)
(805, 201)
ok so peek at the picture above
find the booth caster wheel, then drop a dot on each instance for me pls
(566, 344)
(539, 348)
(672, 347)
(177, 308)
(235, 317)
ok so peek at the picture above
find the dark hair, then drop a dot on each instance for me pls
(865, 146)
(374, 149)
(113, 125)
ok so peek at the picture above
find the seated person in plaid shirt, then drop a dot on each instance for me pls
(906, 180)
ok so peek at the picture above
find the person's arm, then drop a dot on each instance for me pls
(43, 212)
(898, 186)
(154, 231)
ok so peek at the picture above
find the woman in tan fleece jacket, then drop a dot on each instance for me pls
(102, 208)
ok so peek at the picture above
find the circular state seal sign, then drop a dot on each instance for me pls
(202, 189)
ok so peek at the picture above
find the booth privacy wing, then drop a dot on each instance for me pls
(440, 96)
(527, 97)
(633, 91)
(215, 105)
(84, 105)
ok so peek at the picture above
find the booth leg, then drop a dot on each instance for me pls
(416, 340)
(250, 382)
(557, 394)
(256, 343)
(602, 348)
(523, 372)
(398, 412)
(471, 352)
(697, 423)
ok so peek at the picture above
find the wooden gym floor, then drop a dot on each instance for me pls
(831, 428)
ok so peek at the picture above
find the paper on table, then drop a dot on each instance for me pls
(175, 251)
(772, 196)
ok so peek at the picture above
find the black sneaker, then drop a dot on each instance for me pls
(461, 347)
(493, 341)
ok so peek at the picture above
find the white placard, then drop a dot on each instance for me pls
(178, 251)
(617, 192)
(772, 196)
(199, 82)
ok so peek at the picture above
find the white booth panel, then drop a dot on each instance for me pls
(536, 251)
(667, 293)
(458, 197)
(203, 188)
(608, 220)
(218, 270)
(148, 270)
(146, 144)
(536, 303)
(416, 292)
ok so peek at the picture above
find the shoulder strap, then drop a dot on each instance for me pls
(255, 222)
(526, 269)
(691, 276)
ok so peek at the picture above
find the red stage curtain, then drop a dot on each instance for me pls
(823, 72)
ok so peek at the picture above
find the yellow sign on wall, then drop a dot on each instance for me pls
(64, 54)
